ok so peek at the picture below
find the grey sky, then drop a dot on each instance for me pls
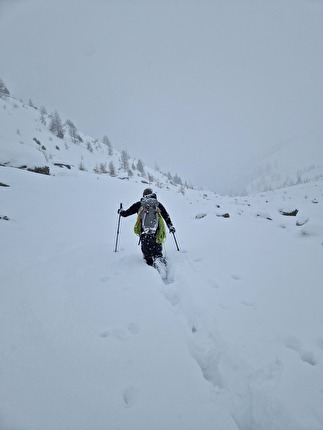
(201, 87)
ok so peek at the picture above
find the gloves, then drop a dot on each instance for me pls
(121, 212)
(171, 228)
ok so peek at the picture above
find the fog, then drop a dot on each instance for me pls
(200, 88)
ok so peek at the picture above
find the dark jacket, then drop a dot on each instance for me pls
(136, 206)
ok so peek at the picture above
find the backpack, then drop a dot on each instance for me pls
(149, 219)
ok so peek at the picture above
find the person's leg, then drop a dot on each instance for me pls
(150, 249)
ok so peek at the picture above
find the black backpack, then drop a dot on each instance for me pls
(149, 219)
(148, 214)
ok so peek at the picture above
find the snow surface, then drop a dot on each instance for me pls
(93, 339)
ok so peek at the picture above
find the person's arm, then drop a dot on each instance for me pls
(166, 217)
(131, 211)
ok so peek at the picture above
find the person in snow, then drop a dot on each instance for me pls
(151, 245)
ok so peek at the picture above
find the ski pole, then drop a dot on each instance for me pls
(118, 229)
(177, 247)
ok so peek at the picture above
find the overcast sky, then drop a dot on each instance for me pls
(200, 87)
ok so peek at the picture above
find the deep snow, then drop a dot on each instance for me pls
(93, 339)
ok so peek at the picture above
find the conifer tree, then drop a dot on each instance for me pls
(72, 130)
(177, 180)
(112, 169)
(124, 160)
(140, 167)
(55, 125)
(43, 112)
(4, 92)
(150, 178)
(107, 142)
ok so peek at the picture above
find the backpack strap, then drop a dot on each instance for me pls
(161, 231)
(137, 226)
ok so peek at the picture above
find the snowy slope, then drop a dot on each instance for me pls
(25, 141)
(92, 339)
(298, 161)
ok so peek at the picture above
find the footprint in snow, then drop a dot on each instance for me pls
(121, 333)
(248, 304)
(197, 260)
(294, 344)
(130, 395)
(236, 277)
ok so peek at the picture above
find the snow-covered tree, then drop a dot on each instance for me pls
(107, 142)
(150, 178)
(82, 166)
(177, 180)
(89, 146)
(101, 168)
(43, 112)
(4, 92)
(140, 167)
(112, 169)
(72, 130)
(124, 160)
(56, 126)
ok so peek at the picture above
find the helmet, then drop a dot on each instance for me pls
(147, 191)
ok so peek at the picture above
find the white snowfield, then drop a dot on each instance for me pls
(92, 339)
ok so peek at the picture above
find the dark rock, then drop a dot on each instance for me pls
(42, 170)
(264, 216)
(63, 165)
(200, 216)
(226, 215)
(291, 213)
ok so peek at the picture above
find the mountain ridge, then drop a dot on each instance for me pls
(33, 139)
(27, 142)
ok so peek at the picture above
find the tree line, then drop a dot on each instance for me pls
(61, 130)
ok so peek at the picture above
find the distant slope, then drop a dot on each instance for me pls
(298, 161)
